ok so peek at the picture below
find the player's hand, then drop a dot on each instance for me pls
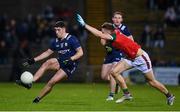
(108, 49)
(80, 20)
(67, 62)
(28, 62)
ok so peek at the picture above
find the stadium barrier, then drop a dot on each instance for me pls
(166, 75)
(88, 74)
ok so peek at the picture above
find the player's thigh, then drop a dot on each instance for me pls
(106, 68)
(52, 64)
(121, 66)
(60, 74)
(113, 65)
(149, 76)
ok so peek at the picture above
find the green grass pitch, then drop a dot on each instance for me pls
(85, 97)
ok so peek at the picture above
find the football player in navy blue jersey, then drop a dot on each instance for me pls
(69, 52)
(117, 21)
(113, 56)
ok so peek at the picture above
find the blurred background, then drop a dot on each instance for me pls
(25, 31)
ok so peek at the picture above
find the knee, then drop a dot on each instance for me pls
(46, 64)
(104, 77)
(50, 84)
(114, 73)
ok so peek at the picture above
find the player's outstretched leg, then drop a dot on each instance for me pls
(118, 69)
(159, 86)
(127, 95)
(60, 74)
(105, 75)
(112, 89)
(20, 83)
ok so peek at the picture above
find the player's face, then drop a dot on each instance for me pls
(59, 32)
(117, 19)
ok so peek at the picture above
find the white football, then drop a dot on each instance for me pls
(26, 77)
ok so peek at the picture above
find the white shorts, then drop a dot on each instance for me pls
(142, 63)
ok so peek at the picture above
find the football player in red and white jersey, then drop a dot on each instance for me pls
(139, 58)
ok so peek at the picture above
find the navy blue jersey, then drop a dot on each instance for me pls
(124, 29)
(65, 47)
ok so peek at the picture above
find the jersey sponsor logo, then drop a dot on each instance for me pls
(64, 51)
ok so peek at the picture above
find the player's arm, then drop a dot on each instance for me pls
(31, 61)
(79, 53)
(98, 33)
(93, 30)
(44, 55)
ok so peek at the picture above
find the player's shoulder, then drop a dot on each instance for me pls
(123, 27)
(71, 37)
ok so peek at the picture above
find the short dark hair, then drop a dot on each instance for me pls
(60, 24)
(108, 26)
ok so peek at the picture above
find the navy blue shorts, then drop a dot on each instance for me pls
(69, 69)
(111, 58)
